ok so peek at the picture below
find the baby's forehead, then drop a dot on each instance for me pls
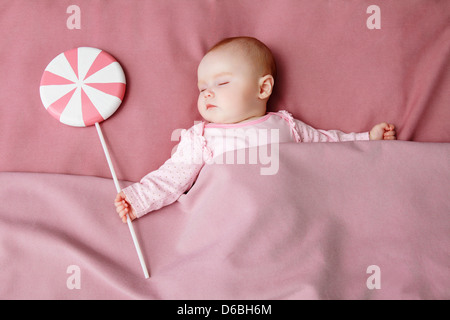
(226, 58)
(221, 53)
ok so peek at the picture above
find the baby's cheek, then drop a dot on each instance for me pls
(199, 101)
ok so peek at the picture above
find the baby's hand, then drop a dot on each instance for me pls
(383, 131)
(123, 207)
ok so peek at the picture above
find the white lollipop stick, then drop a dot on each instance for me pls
(116, 183)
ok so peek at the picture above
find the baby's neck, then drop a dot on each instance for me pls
(250, 119)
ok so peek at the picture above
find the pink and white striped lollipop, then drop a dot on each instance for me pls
(82, 86)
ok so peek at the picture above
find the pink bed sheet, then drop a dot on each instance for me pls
(313, 230)
(334, 72)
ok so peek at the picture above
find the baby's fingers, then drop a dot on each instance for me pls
(390, 135)
(122, 211)
(121, 203)
(118, 197)
(387, 126)
(119, 207)
(123, 214)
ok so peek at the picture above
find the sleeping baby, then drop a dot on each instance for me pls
(235, 79)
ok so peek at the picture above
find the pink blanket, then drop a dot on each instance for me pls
(357, 220)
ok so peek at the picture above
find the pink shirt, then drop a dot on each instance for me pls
(207, 143)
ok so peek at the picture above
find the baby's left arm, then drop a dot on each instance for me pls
(383, 131)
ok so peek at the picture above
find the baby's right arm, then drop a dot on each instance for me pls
(165, 185)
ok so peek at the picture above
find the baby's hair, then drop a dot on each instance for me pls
(257, 51)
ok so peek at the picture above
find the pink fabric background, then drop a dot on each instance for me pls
(334, 73)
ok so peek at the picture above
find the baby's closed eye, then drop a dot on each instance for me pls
(218, 84)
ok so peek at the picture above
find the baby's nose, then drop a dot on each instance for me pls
(208, 93)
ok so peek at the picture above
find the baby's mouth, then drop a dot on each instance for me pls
(210, 106)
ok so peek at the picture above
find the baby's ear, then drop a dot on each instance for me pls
(266, 86)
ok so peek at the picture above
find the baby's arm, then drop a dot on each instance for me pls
(310, 134)
(165, 185)
(161, 187)
(382, 131)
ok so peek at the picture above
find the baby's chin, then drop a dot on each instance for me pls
(212, 119)
(216, 115)
(212, 116)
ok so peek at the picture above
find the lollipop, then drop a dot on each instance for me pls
(82, 87)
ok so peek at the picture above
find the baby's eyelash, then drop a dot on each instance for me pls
(219, 84)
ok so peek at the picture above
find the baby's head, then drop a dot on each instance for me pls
(235, 79)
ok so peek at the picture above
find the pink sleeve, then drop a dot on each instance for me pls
(309, 134)
(165, 185)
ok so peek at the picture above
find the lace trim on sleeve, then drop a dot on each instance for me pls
(195, 139)
(290, 120)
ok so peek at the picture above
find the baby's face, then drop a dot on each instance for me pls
(228, 85)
